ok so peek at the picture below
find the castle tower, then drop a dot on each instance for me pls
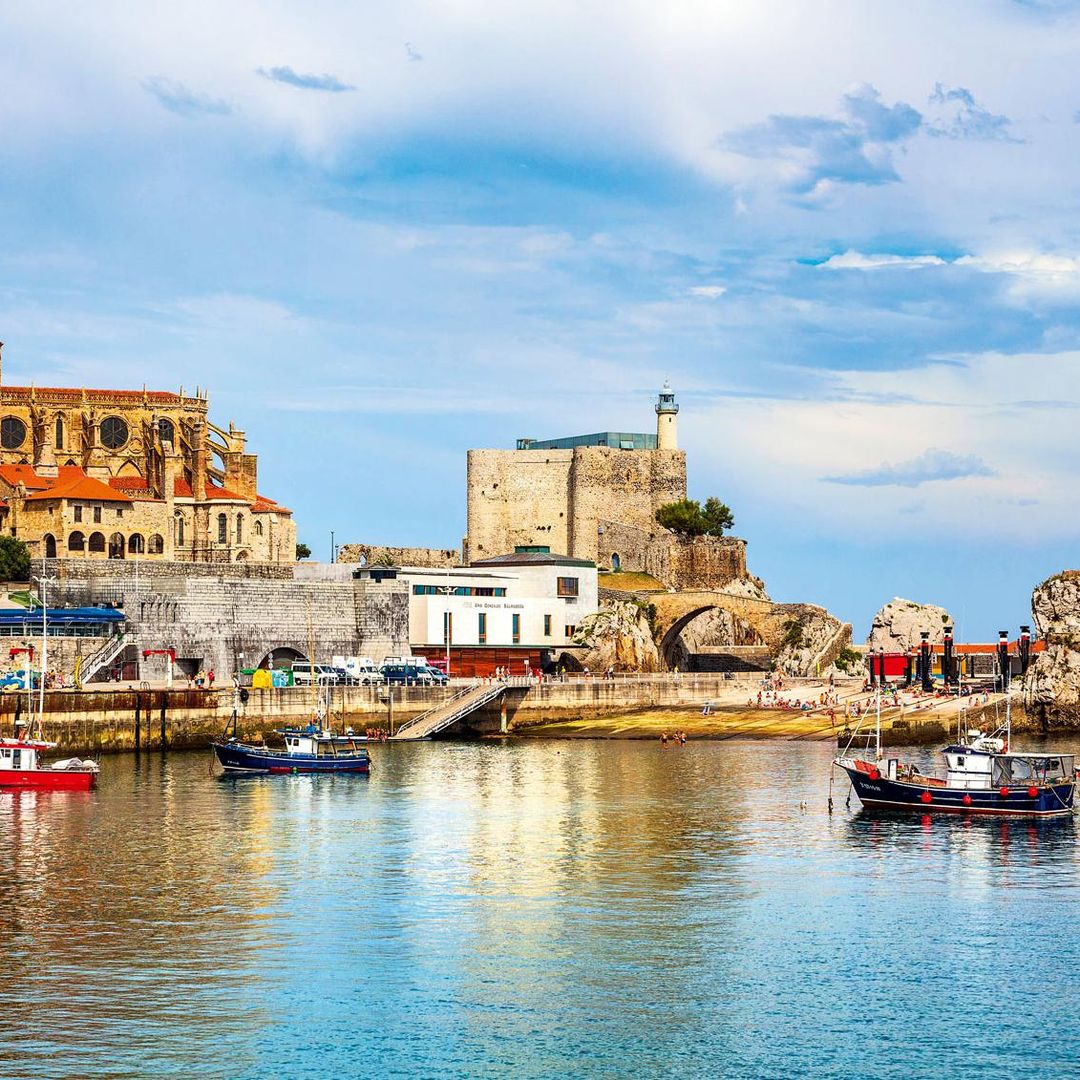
(667, 411)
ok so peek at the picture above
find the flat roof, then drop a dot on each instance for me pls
(534, 558)
(617, 440)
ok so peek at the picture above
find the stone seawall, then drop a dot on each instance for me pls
(105, 721)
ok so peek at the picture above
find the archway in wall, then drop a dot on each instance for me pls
(96, 546)
(281, 657)
(116, 546)
(50, 546)
(677, 651)
(616, 562)
(136, 544)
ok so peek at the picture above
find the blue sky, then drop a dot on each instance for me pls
(383, 234)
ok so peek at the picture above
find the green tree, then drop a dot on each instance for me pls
(303, 552)
(14, 560)
(718, 517)
(687, 516)
(683, 516)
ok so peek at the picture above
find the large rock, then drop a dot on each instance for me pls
(812, 641)
(900, 623)
(618, 636)
(1052, 685)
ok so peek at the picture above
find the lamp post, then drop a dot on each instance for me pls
(447, 591)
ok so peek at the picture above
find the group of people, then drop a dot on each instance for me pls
(678, 738)
(203, 679)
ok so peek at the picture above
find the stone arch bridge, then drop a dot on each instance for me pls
(761, 624)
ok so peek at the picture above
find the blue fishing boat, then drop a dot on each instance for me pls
(310, 749)
(982, 775)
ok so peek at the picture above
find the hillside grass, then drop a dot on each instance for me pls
(631, 581)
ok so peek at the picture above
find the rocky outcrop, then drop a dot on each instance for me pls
(900, 623)
(1051, 687)
(618, 636)
(812, 641)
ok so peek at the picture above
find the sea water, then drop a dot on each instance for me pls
(528, 908)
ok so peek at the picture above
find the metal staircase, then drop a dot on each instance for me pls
(105, 656)
(449, 712)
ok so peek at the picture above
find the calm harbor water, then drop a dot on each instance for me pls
(529, 909)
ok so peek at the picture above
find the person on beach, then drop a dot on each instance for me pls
(663, 738)
(210, 678)
(706, 709)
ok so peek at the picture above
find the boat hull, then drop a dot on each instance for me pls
(47, 779)
(239, 758)
(881, 793)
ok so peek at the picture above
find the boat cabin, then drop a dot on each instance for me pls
(17, 754)
(976, 770)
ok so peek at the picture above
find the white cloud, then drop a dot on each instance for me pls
(708, 292)
(857, 260)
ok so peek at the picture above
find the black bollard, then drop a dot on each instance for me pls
(924, 662)
(1025, 649)
(947, 657)
(1003, 659)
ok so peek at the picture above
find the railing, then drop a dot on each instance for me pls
(449, 712)
(104, 656)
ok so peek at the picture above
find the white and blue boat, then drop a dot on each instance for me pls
(982, 775)
(310, 749)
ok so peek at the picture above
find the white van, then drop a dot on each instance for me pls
(304, 674)
(360, 670)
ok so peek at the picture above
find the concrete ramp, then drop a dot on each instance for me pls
(449, 712)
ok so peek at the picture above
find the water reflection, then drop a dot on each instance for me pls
(528, 908)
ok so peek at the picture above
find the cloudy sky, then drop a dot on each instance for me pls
(848, 234)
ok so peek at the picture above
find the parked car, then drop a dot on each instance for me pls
(413, 675)
(304, 674)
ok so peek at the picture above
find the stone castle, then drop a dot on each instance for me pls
(595, 497)
(115, 474)
(590, 497)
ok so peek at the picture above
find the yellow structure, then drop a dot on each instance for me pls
(122, 473)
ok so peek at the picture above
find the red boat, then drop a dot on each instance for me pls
(21, 767)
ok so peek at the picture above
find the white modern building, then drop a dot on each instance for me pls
(517, 611)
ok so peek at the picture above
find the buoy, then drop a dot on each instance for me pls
(967, 800)
(1003, 792)
(1033, 791)
(925, 796)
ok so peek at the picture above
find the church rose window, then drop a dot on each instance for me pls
(114, 432)
(12, 432)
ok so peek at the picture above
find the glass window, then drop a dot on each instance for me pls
(166, 431)
(481, 633)
(547, 626)
(12, 432)
(569, 630)
(97, 515)
(448, 627)
(239, 528)
(516, 629)
(568, 586)
(78, 513)
(59, 433)
(222, 529)
(114, 432)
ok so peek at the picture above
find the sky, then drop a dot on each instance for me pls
(379, 235)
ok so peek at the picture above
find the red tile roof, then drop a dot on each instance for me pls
(182, 489)
(129, 483)
(73, 483)
(74, 393)
(263, 505)
(24, 474)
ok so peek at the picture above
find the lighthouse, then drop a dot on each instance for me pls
(667, 411)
